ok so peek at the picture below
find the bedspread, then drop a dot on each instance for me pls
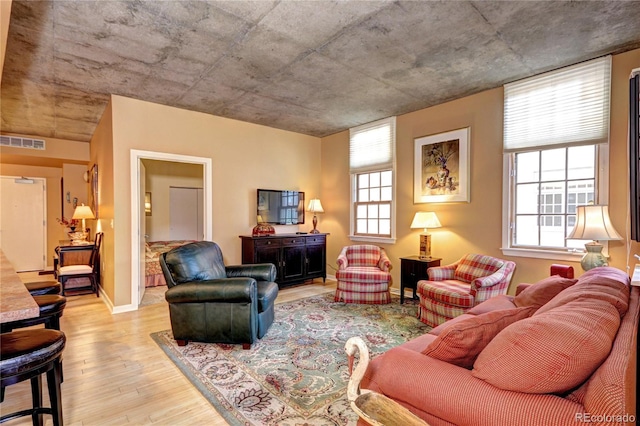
(153, 249)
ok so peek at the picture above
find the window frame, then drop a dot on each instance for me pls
(353, 179)
(509, 199)
(355, 203)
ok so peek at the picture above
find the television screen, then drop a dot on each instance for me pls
(280, 207)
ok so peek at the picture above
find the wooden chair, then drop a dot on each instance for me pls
(91, 270)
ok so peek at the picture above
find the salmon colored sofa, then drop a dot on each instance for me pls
(561, 352)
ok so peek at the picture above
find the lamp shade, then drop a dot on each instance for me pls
(593, 223)
(425, 220)
(315, 206)
(83, 212)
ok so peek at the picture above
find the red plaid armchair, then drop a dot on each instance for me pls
(363, 275)
(454, 289)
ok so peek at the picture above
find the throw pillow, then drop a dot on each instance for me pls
(474, 266)
(462, 341)
(551, 352)
(544, 290)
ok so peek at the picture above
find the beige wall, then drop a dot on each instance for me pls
(74, 187)
(102, 155)
(474, 226)
(245, 157)
(160, 177)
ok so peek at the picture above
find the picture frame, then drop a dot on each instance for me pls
(93, 189)
(441, 167)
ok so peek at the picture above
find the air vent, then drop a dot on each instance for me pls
(17, 142)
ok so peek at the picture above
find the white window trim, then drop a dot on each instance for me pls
(352, 225)
(602, 196)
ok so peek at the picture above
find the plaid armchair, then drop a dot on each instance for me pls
(454, 289)
(363, 275)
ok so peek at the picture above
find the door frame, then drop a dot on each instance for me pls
(136, 158)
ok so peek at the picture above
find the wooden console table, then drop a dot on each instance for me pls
(297, 257)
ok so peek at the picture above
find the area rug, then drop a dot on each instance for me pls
(297, 374)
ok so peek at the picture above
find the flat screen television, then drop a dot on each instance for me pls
(280, 207)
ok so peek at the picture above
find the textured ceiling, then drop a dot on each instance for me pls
(314, 67)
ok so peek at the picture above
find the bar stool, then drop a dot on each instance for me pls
(42, 288)
(51, 308)
(26, 355)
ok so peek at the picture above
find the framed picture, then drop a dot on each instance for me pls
(93, 189)
(441, 167)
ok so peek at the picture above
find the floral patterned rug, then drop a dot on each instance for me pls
(297, 374)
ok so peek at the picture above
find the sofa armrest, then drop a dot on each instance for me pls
(384, 264)
(342, 261)
(522, 287)
(234, 290)
(258, 271)
(501, 276)
(440, 273)
(451, 393)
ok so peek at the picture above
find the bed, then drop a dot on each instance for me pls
(153, 249)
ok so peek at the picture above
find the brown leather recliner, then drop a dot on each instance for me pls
(211, 302)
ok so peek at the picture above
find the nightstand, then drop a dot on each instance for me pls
(412, 270)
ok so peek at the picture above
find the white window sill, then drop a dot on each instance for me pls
(376, 240)
(543, 254)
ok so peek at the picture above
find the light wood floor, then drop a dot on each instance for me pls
(115, 374)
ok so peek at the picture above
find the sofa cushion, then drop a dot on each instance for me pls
(495, 303)
(363, 274)
(474, 266)
(543, 291)
(460, 342)
(450, 292)
(593, 287)
(550, 352)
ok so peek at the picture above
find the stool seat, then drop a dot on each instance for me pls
(26, 355)
(51, 308)
(50, 304)
(41, 288)
(26, 350)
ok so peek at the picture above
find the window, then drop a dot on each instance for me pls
(372, 168)
(556, 129)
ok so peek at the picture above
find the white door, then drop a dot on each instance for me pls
(186, 214)
(142, 230)
(23, 222)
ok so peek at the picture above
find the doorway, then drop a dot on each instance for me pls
(137, 216)
(23, 222)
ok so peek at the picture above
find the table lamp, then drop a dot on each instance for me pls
(83, 212)
(593, 223)
(425, 220)
(315, 206)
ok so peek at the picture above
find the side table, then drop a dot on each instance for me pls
(412, 270)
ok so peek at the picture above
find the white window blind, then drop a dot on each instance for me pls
(565, 107)
(372, 146)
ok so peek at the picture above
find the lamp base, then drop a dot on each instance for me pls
(425, 246)
(315, 223)
(594, 257)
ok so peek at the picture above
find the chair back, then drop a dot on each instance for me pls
(197, 261)
(474, 266)
(95, 253)
(363, 255)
